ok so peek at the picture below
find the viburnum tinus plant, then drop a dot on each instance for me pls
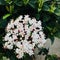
(23, 35)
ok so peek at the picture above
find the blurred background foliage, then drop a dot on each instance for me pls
(48, 11)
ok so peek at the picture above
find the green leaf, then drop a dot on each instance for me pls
(3, 23)
(18, 2)
(49, 28)
(5, 58)
(25, 2)
(27, 57)
(57, 12)
(2, 2)
(43, 51)
(1, 56)
(6, 16)
(52, 39)
(32, 3)
(45, 19)
(40, 4)
(7, 8)
(57, 34)
(52, 8)
(11, 8)
(46, 7)
(9, 1)
(49, 7)
(51, 57)
(37, 16)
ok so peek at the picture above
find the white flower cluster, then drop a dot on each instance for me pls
(23, 35)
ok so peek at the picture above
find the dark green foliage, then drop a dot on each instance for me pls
(43, 51)
(48, 11)
(51, 57)
(27, 57)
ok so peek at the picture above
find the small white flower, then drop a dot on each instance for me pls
(26, 27)
(18, 44)
(41, 33)
(32, 27)
(16, 31)
(26, 37)
(39, 22)
(43, 41)
(30, 22)
(20, 17)
(17, 50)
(10, 25)
(28, 32)
(14, 37)
(8, 45)
(34, 20)
(26, 16)
(40, 45)
(35, 35)
(20, 53)
(36, 41)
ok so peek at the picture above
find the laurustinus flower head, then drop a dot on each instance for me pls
(24, 33)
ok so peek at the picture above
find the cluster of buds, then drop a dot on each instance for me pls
(23, 35)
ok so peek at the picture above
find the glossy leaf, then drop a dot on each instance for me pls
(57, 12)
(18, 2)
(6, 16)
(25, 2)
(32, 3)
